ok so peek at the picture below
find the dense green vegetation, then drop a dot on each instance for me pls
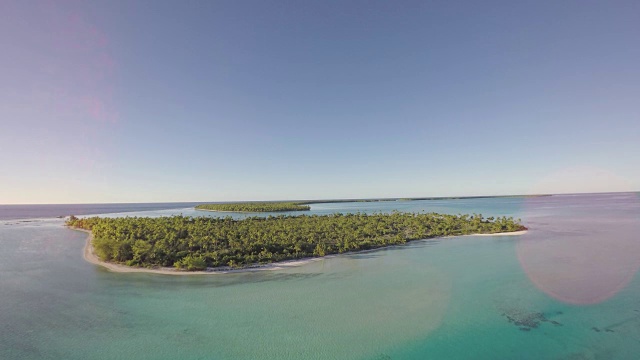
(196, 243)
(255, 207)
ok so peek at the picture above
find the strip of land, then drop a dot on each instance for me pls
(254, 207)
(303, 205)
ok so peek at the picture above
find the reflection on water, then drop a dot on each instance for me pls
(567, 289)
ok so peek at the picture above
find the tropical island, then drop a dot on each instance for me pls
(255, 207)
(200, 243)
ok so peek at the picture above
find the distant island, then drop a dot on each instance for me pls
(431, 198)
(255, 207)
(303, 205)
(200, 243)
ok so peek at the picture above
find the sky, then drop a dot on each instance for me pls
(158, 101)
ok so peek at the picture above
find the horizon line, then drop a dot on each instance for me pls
(310, 201)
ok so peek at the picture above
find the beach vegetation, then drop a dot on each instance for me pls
(195, 243)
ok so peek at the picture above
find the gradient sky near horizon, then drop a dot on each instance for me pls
(153, 101)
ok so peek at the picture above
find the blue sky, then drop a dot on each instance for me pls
(145, 101)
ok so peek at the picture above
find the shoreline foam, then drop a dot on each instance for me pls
(90, 256)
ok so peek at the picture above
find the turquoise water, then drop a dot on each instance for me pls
(568, 289)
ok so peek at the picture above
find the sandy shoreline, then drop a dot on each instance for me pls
(521, 232)
(91, 257)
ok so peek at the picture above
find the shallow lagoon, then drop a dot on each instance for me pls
(568, 289)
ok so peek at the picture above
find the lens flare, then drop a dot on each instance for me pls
(583, 259)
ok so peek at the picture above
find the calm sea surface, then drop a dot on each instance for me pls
(568, 289)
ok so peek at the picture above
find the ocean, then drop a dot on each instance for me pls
(568, 289)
